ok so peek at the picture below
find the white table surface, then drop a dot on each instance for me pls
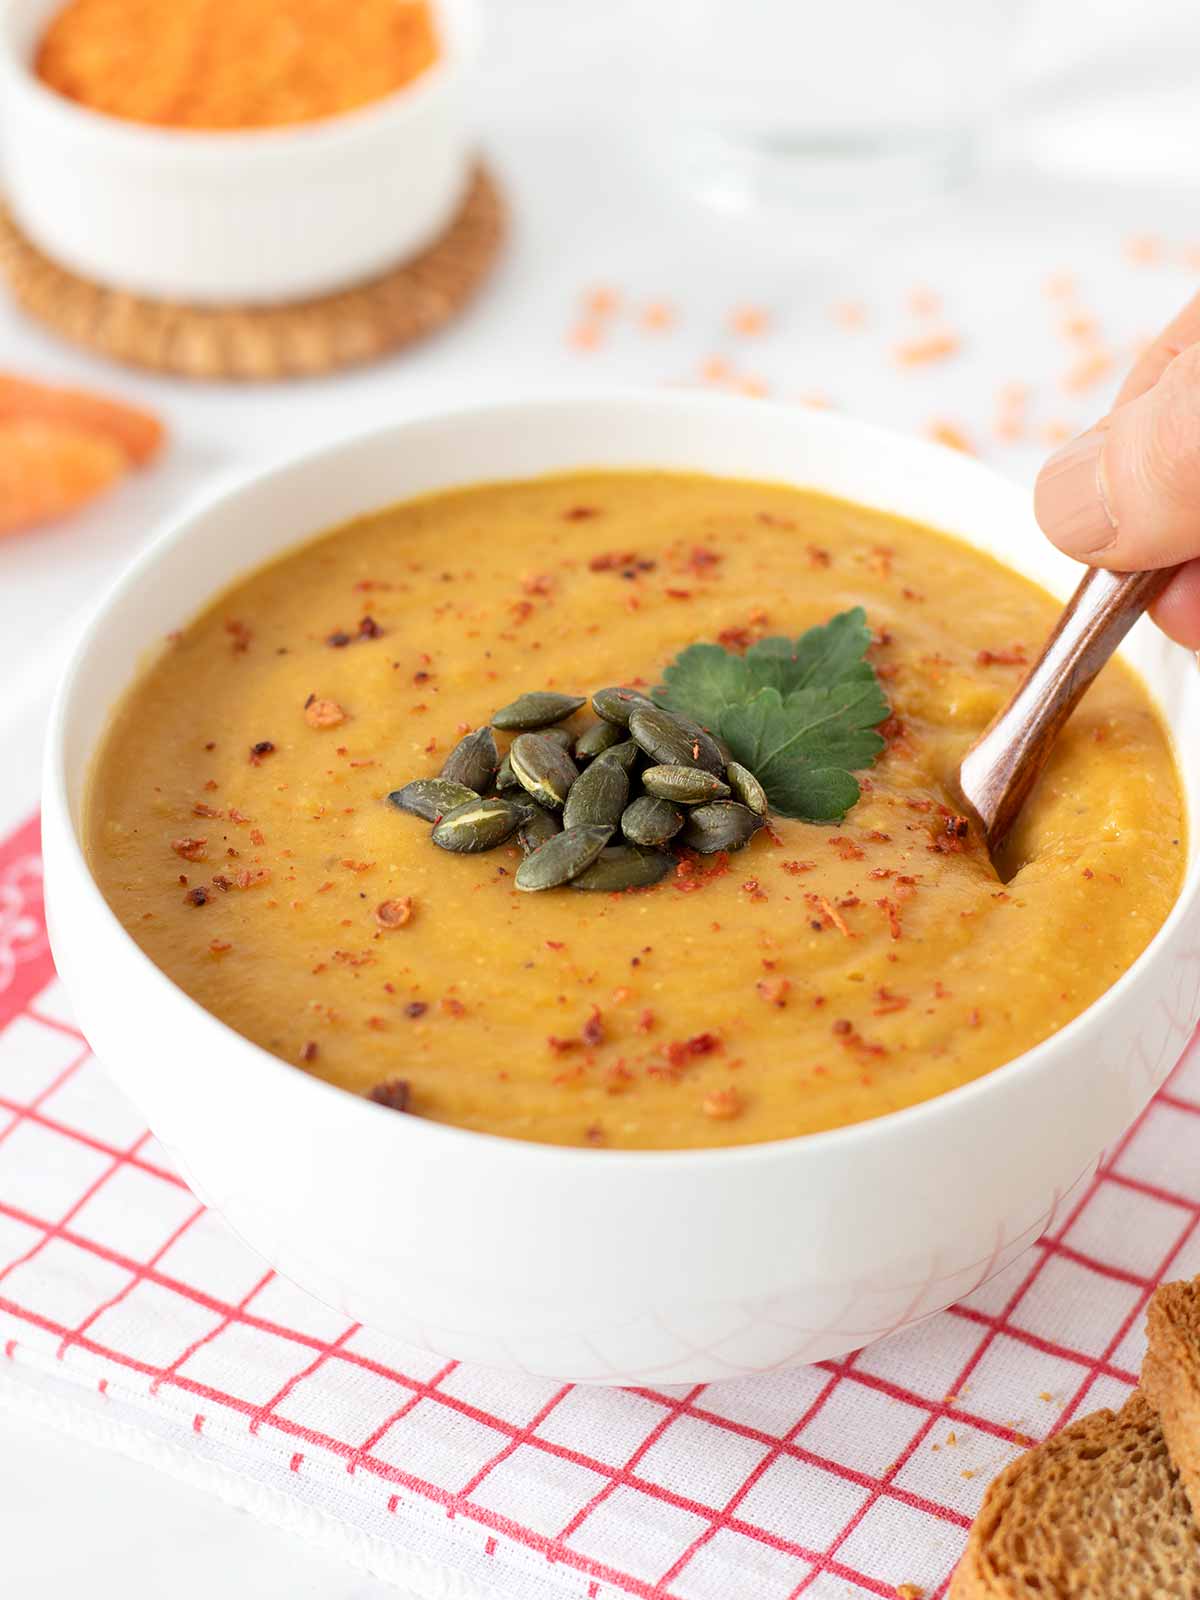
(73, 1518)
(78, 1519)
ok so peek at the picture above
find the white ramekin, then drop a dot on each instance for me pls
(603, 1266)
(257, 217)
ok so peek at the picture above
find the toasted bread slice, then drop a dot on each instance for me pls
(1171, 1377)
(1097, 1512)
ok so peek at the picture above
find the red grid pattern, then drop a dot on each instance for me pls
(862, 1474)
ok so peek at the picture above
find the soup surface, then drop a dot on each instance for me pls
(819, 976)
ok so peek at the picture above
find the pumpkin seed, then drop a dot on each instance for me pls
(479, 825)
(506, 778)
(563, 737)
(747, 788)
(665, 740)
(562, 858)
(543, 768)
(616, 704)
(597, 796)
(626, 754)
(473, 761)
(723, 825)
(538, 826)
(706, 752)
(620, 867)
(687, 786)
(650, 821)
(431, 798)
(540, 708)
(723, 749)
(594, 741)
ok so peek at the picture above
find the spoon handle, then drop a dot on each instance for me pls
(1004, 763)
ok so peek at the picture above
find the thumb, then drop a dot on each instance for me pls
(1126, 494)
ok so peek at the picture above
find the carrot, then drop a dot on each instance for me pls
(47, 470)
(138, 434)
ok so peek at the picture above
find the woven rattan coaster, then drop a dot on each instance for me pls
(301, 339)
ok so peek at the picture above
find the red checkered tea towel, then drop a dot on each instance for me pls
(130, 1314)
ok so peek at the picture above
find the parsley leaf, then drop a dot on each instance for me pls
(704, 679)
(803, 749)
(821, 658)
(801, 713)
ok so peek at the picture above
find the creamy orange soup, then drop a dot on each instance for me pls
(819, 976)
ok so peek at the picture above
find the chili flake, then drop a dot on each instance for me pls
(845, 847)
(830, 917)
(774, 990)
(395, 1093)
(1014, 657)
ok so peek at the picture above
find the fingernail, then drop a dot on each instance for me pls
(1071, 498)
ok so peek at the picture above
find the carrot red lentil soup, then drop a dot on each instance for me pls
(766, 980)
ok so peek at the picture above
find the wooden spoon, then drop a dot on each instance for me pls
(1004, 763)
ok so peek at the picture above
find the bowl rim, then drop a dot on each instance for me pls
(458, 26)
(828, 1143)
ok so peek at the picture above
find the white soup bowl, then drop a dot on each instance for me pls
(603, 1266)
(258, 216)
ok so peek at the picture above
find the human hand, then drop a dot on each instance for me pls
(1126, 494)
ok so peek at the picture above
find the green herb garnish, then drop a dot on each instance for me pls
(802, 713)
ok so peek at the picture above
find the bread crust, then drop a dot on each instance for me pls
(1097, 1512)
(1171, 1377)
